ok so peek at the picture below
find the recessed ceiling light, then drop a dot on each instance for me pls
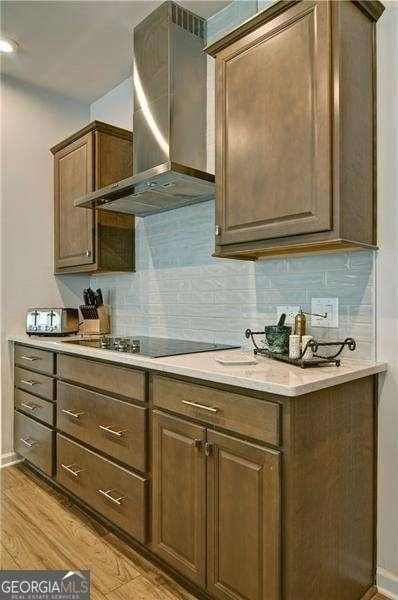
(8, 46)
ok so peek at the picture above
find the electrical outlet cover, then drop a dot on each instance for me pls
(290, 312)
(322, 306)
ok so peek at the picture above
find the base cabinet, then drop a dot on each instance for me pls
(285, 511)
(216, 502)
(243, 519)
(179, 495)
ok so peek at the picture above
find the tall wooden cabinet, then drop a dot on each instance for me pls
(296, 130)
(86, 240)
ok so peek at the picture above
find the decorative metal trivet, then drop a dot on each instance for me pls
(315, 361)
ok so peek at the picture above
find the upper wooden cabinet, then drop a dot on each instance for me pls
(87, 240)
(295, 130)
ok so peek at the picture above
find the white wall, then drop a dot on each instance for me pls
(387, 297)
(32, 120)
(116, 107)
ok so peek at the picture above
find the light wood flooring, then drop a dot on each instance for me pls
(42, 529)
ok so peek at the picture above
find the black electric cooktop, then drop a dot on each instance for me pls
(150, 346)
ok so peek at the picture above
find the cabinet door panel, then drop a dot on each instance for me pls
(179, 495)
(273, 138)
(243, 520)
(74, 177)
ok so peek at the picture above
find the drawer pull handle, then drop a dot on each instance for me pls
(109, 429)
(29, 406)
(29, 382)
(28, 442)
(72, 413)
(211, 409)
(107, 495)
(74, 472)
(30, 358)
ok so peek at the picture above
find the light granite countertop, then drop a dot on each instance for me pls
(266, 376)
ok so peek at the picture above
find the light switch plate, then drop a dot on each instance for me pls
(290, 312)
(322, 306)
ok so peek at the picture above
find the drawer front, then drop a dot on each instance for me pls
(115, 427)
(34, 441)
(117, 494)
(39, 384)
(34, 406)
(255, 418)
(109, 378)
(38, 360)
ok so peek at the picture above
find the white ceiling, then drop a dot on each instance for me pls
(80, 49)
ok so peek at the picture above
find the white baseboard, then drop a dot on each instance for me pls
(387, 583)
(11, 458)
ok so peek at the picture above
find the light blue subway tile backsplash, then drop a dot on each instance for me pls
(179, 290)
(185, 293)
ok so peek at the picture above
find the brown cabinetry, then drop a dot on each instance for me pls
(295, 156)
(237, 511)
(36, 407)
(114, 379)
(112, 426)
(86, 240)
(116, 493)
(248, 416)
(243, 516)
(35, 359)
(34, 414)
(179, 495)
(36, 383)
(247, 496)
(34, 441)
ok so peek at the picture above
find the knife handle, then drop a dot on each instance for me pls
(99, 298)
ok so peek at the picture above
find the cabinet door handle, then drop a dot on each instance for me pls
(211, 409)
(29, 358)
(29, 382)
(208, 448)
(74, 472)
(108, 429)
(29, 406)
(197, 443)
(28, 442)
(72, 413)
(108, 495)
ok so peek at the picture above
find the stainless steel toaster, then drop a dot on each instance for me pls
(52, 321)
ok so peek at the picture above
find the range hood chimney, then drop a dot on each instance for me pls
(170, 81)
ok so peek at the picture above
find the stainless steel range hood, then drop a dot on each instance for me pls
(170, 81)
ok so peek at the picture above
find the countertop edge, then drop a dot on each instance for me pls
(364, 370)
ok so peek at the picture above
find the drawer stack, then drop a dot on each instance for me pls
(93, 417)
(34, 405)
(101, 436)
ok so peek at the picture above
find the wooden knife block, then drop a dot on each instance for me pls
(100, 325)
